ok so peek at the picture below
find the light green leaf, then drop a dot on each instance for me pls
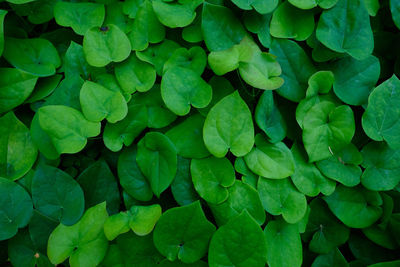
(395, 10)
(135, 75)
(229, 125)
(79, 16)
(175, 14)
(100, 103)
(381, 119)
(280, 197)
(269, 160)
(116, 225)
(238, 243)
(18, 153)
(67, 128)
(144, 218)
(241, 197)
(212, 177)
(290, 22)
(105, 45)
(84, 242)
(182, 87)
(157, 159)
(307, 178)
(261, 6)
(194, 58)
(309, 4)
(146, 27)
(327, 128)
(354, 38)
(183, 233)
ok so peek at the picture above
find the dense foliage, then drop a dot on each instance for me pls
(200, 133)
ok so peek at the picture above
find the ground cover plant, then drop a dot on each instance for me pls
(196, 133)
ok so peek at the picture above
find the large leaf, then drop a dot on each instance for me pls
(345, 28)
(67, 128)
(269, 160)
(212, 177)
(84, 243)
(239, 243)
(56, 195)
(381, 120)
(229, 125)
(183, 233)
(36, 56)
(157, 159)
(16, 208)
(17, 150)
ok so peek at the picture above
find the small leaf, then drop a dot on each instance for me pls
(143, 218)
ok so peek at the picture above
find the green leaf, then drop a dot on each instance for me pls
(131, 178)
(261, 6)
(269, 118)
(290, 22)
(175, 14)
(194, 58)
(157, 159)
(343, 166)
(355, 79)
(212, 177)
(144, 218)
(67, 128)
(381, 119)
(105, 45)
(188, 137)
(296, 68)
(309, 4)
(79, 16)
(283, 244)
(146, 27)
(183, 233)
(15, 88)
(221, 29)
(269, 160)
(43, 88)
(3, 13)
(56, 195)
(117, 224)
(307, 178)
(239, 243)
(280, 197)
(382, 167)
(35, 56)
(395, 10)
(100, 103)
(17, 150)
(327, 128)
(229, 125)
(334, 258)
(355, 207)
(125, 131)
(182, 87)
(15, 210)
(99, 185)
(241, 197)
(352, 34)
(135, 75)
(182, 187)
(324, 231)
(84, 242)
